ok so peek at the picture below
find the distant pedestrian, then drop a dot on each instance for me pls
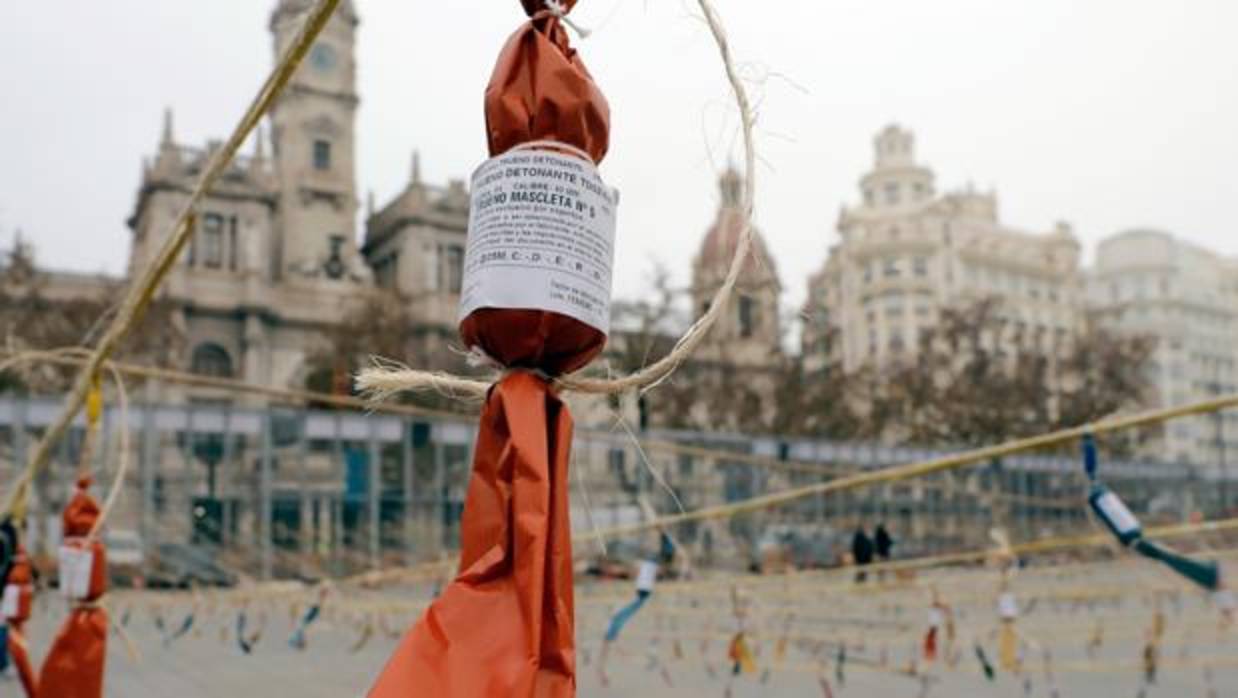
(861, 551)
(884, 542)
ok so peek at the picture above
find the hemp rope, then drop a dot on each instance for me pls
(928, 467)
(74, 356)
(142, 290)
(273, 592)
(381, 382)
(892, 474)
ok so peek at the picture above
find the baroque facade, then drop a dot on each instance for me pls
(906, 251)
(275, 258)
(748, 333)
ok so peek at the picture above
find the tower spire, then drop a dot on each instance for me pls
(416, 167)
(166, 139)
(731, 185)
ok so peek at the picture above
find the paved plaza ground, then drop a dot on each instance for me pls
(689, 640)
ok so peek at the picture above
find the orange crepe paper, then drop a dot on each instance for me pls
(74, 665)
(504, 627)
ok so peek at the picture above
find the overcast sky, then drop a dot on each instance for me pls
(1108, 114)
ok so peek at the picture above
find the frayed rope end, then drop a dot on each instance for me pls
(384, 380)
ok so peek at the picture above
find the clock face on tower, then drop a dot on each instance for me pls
(322, 57)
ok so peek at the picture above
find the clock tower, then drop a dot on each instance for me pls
(312, 131)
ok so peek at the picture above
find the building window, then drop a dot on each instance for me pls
(334, 266)
(322, 155)
(450, 268)
(747, 316)
(213, 240)
(868, 272)
(869, 199)
(920, 265)
(232, 247)
(891, 266)
(386, 270)
(212, 360)
(891, 193)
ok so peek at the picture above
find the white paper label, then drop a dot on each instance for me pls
(1117, 513)
(541, 237)
(646, 575)
(1007, 607)
(75, 565)
(12, 594)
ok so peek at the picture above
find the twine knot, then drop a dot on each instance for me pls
(559, 10)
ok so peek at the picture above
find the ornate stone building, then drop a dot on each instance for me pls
(906, 251)
(415, 244)
(275, 260)
(1186, 297)
(749, 332)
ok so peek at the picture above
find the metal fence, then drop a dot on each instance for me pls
(278, 492)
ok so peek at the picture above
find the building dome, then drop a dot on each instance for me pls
(718, 246)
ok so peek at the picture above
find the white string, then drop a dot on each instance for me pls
(558, 9)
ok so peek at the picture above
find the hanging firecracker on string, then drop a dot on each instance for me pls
(16, 604)
(740, 655)
(780, 648)
(985, 665)
(824, 684)
(74, 665)
(1123, 524)
(1009, 653)
(535, 301)
(299, 639)
(646, 577)
(940, 623)
(182, 630)
(245, 639)
(363, 639)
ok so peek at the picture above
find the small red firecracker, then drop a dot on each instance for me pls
(73, 667)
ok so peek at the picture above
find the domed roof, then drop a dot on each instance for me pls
(718, 246)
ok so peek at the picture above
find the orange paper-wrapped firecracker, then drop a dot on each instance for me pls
(73, 667)
(17, 601)
(504, 628)
(540, 91)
